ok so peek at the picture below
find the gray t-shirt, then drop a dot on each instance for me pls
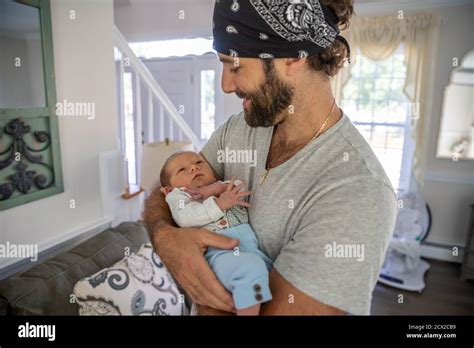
(324, 217)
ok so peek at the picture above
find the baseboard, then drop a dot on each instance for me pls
(437, 177)
(441, 252)
(52, 248)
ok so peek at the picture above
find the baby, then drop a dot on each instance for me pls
(197, 199)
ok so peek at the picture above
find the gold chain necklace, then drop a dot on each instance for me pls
(267, 169)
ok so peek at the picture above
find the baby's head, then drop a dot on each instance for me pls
(186, 169)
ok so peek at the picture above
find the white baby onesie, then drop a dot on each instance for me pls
(187, 212)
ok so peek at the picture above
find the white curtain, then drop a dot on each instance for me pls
(377, 38)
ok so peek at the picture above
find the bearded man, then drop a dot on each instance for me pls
(316, 186)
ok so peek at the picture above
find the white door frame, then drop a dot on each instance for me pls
(209, 61)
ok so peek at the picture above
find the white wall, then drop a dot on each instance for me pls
(84, 71)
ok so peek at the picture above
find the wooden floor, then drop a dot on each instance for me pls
(444, 294)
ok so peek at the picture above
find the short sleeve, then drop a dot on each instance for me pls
(338, 248)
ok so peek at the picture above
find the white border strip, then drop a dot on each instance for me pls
(435, 177)
(441, 253)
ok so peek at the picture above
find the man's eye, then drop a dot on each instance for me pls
(199, 162)
(180, 170)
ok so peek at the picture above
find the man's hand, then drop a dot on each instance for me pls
(181, 250)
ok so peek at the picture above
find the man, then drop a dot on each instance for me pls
(322, 207)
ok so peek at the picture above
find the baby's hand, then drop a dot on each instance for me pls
(231, 196)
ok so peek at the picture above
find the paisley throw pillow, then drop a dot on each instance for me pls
(138, 284)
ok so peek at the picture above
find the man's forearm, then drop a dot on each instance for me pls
(156, 212)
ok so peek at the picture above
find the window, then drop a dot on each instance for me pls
(374, 100)
(129, 129)
(208, 104)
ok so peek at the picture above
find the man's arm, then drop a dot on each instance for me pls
(288, 300)
(156, 213)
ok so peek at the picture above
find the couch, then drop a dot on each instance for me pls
(46, 288)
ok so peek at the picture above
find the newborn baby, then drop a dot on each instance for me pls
(197, 199)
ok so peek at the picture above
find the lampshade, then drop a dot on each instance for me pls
(154, 156)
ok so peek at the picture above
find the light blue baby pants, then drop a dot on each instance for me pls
(243, 272)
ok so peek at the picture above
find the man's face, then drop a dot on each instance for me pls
(265, 96)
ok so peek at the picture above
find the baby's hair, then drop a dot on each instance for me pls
(164, 175)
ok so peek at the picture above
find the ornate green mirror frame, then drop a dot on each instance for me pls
(30, 160)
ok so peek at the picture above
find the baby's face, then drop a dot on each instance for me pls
(190, 170)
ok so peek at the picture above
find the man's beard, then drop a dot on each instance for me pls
(272, 97)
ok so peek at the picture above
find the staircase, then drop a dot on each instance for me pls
(155, 95)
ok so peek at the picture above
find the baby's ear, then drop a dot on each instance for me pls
(165, 190)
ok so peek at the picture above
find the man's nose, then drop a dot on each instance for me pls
(193, 168)
(227, 82)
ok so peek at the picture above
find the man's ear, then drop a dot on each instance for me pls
(165, 190)
(294, 65)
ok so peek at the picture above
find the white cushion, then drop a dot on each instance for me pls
(138, 284)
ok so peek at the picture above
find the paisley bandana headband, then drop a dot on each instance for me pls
(273, 28)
